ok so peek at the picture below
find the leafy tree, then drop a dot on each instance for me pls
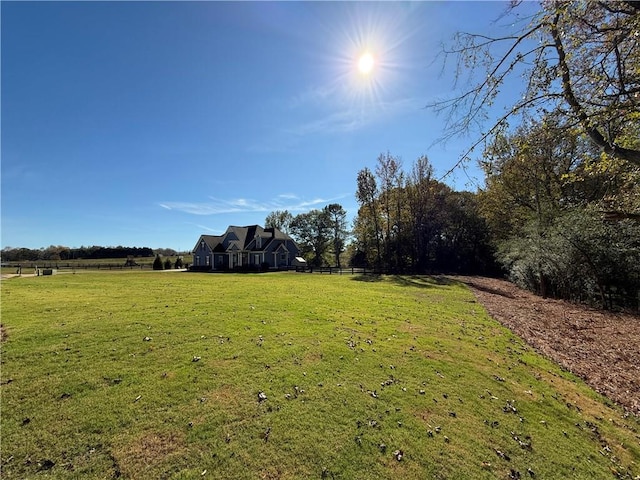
(391, 178)
(578, 57)
(157, 263)
(367, 196)
(527, 175)
(167, 264)
(312, 231)
(280, 219)
(179, 263)
(561, 213)
(337, 223)
(463, 243)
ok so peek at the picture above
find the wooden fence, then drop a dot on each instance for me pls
(27, 266)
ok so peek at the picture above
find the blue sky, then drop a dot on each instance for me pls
(150, 123)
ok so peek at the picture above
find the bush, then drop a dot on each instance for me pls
(178, 263)
(167, 264)
(157, 263)
(580, 258)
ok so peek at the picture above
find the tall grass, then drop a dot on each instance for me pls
(155, 375)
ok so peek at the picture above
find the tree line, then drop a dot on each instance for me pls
(57, 253)
(406, 223)
(409, 222)
(556, 215)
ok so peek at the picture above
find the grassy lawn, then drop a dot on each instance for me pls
(284, 375)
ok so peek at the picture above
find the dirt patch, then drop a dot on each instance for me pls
(146, 452)
(601, 347)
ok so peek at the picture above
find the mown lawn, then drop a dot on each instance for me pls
(284, 375)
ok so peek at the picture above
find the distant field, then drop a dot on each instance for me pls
(285, 375)
(90, 264)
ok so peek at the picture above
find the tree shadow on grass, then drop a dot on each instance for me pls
(368, 277)
(423, 281)
(420, 281)
(487, 289)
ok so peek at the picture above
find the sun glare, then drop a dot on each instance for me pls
(370, 46)
(366, 63)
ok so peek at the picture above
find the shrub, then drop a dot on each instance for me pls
(157, 263)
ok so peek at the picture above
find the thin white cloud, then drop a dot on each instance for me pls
(288, 196)
(357, 117)
(208, 229)
(338, 122)
(315, 95)
(216, 206)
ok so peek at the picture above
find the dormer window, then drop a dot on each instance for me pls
(202, 245)
(258, 241)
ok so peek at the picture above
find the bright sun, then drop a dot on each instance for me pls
(366, 63)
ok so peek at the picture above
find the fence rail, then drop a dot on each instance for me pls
(62, 266)
(343, 271)
(25, 267)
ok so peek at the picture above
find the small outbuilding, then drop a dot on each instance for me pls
(300, 263)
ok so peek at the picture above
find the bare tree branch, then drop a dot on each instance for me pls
(586, 56)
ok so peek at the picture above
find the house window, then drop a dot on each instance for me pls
(208, 259)
(258, 242)
(197, 260)
(202, 245)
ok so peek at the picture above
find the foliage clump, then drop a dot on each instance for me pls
(411, 222)
(564, 217)
(157, 263)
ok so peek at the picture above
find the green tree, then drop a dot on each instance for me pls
(391, 181)
(420, 190)
(157, 263)
(280, 219)
(337, 223)
(312, 232)
(561, 212)
(368, 225)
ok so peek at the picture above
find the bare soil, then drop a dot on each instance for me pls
(601, 347)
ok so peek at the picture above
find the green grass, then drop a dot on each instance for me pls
(99, 381)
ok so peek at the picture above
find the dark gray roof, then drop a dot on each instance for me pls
(244, 238)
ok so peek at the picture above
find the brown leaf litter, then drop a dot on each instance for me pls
(601, 347)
